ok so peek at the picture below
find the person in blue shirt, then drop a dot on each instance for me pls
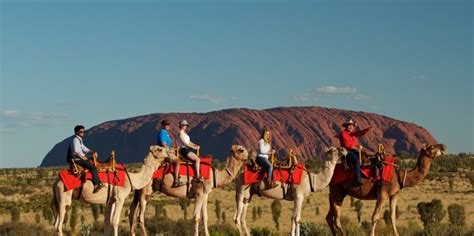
(164, 140)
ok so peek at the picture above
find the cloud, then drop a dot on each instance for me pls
(336, 90)
(13, 119)
(211, 99)
(361, 97)
(419, 77)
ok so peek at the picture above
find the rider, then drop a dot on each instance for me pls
(264, 150)
(77, 151)
(164, 140)
(185, 146)
(348, 139)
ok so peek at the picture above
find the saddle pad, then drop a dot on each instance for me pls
(71, 181)
(252, 177)
(340, 175)
(205, 169)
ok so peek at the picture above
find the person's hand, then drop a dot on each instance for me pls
(198, 147)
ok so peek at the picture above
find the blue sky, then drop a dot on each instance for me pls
(86, 62)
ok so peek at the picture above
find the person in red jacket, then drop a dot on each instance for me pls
(348, 140)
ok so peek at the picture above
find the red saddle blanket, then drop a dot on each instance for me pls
(71, 181)
(340, 175)
(252, 177)
(205, 169)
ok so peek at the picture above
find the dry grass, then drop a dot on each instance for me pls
(410, 197)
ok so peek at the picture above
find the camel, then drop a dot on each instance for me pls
(116, 196)
(309, 183)
(238, 155)
(381, 192)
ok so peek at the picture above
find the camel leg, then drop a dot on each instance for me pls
(141, 213)
(393, 213)
(116, 215)
(197, 211)
(337, 217)
(204, 214)
(64, 201)
(376, 215)
(107, 216)
(239, 199)
(296, 216)
(330, 219)
(131, 213)
(244, 216)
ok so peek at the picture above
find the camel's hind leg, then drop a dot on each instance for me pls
(197, 210)
(63, 199)
(378, 208)
(204, 214)
(393, 214)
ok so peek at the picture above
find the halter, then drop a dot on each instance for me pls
(229, 172)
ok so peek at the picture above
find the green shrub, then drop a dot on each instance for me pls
(457, 214)
(223, 230)
(309, 228)
(431, 213)
(264, 231)
(15, 214)
(276, 212)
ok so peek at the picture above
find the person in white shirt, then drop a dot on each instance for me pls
(77, 151)
(264, 152)
(185, 146)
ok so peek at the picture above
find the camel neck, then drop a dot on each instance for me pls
(323, 178)
(229, 173)
(143, 177)
(418, 173)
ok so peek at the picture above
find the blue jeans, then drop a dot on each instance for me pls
(91, 168)
(265, 164)
(353, 158)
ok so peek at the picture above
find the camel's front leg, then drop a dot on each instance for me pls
(141, 213)
(296, 216)
(197, 211)
(376, 215)
(204, 214)
(107, 216)
(246, 202)
(393, 214)
(131, 213)
(116, 215)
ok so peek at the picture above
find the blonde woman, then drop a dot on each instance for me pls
(264, 152)
(186, 146)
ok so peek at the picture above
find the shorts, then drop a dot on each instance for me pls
(183, 152)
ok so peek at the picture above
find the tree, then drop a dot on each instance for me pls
(276, 212)
(254, 213)
(159, 211)
(15, 214)
(431, 212)
(47, 213)
(358, 207)
(259, 212)
(37, 218)
(457, 214)
(223, 216)
(184, 203)
(73, 220)
(95, 212)
(386, 217)
(218, 210)
(317, 210)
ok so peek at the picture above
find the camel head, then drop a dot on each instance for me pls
(434, 150)
(156, 155)
(240, 153)
(333, 154)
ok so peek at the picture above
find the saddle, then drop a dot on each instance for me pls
(107, 166)
(368, 160)
(289, 163)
